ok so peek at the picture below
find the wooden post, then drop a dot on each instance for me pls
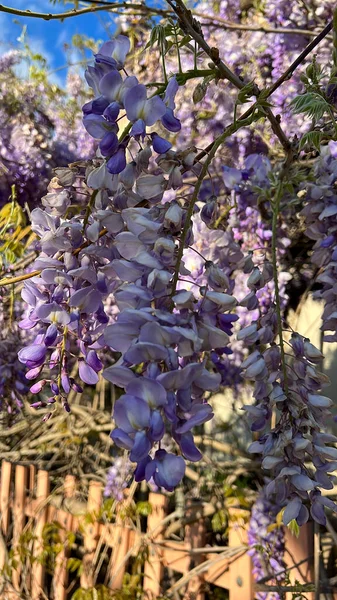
(119, 542)
(60, 578)
(42, 493)
(241, 584)
(32, 479)
(90, 535)
(153, 568)
(6, 471)
(195, 535)
(21, 480)
(298, 550)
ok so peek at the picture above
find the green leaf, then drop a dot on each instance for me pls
(246, 92)
(74, 565)
(144, 508)
(312, 104)
(312, 139)
(294, 528)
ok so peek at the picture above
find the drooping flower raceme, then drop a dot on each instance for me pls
(266, 546)
(169, 332)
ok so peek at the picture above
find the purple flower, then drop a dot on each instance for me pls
(166, 469)
(33, 356)
(141, 111)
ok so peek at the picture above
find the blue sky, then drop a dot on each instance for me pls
(49, 37)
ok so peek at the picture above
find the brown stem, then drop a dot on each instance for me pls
(288, 73)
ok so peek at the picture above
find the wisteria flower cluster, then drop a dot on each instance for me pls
(174, 287)
(41, 130)
(266, 544)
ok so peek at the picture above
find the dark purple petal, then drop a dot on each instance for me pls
(157, 427)
(317, 513)
(141, 469)
(138, 128)
(303, 515)
(117, 163)
(51, 335)
(141, 447)
(109, 144)
(188, 447)
(159, 144)
(111, 112)
(170, 470)
(93, 360)
(170, 122)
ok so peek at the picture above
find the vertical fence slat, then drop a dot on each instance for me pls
(90, 535)
(5, 484)
(60, 578)
(119, 539)
(195, 536)
(240, 571)
(6, 471)
(153, 568)
(298, 550)
(42, 493)
(21, 477)
(32, 478)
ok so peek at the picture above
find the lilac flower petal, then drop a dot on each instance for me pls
(99, 105)
(153, 110)
(87, 374)
(170, 470)
(142, 352)
(110, 84)
(33, 354)
(303, 515)
(117, 49)
(198, 415)
(131, 413)
(96, 126)
(302, 482)
(149, 390)
(292, 510)
(121, 439)
(134, 102)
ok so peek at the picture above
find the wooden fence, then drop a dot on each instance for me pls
(25, 496)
